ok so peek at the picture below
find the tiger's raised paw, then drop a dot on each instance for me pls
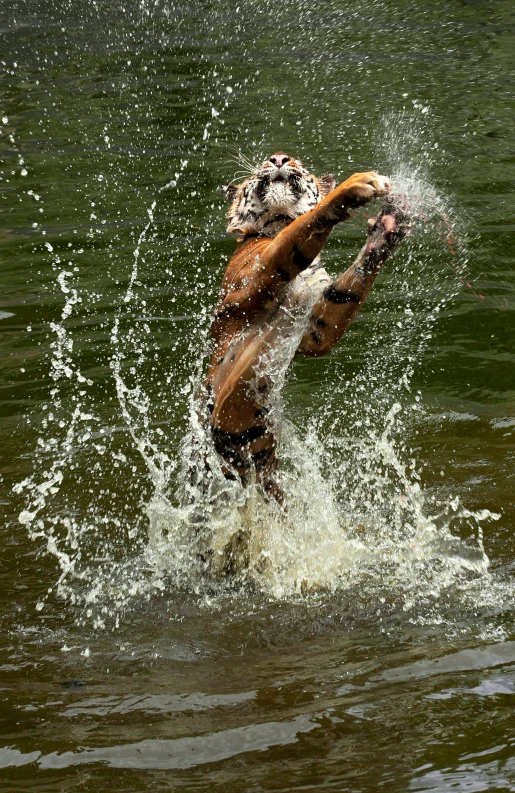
(363, 187)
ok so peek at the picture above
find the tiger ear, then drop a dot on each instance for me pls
(326, 183)
(229, 191)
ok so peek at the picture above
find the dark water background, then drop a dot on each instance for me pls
(373, 687)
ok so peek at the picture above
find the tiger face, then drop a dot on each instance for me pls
(279, 191)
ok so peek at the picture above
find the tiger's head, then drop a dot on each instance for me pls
(279, 191)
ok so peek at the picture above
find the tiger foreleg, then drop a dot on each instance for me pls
(258, 273)
(341, 301)
(297, 245)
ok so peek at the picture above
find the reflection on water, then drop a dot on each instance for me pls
(365, 637)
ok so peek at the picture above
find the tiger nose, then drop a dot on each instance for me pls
(279, 159)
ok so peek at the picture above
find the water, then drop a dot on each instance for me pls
(366, 638)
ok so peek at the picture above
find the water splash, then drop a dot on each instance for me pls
(356, 508)
(358, 516)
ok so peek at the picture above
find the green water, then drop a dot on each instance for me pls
(399, 677)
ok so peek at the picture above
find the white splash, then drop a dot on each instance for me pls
(357, 512)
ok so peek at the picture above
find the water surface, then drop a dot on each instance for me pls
(377, 648)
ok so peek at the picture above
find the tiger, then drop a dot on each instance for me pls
(276, 296)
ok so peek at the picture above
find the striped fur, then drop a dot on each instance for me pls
(275, 285)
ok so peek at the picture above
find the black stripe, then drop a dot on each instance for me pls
(299, 260)
(233, 446)
(210, 404)
(294, 182)
(334, 295)
(234, 456)
(238, 439)
(227, 310)
(262, 457)
(276, 219)
(261, 187)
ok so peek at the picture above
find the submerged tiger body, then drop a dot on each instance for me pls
(277, 299)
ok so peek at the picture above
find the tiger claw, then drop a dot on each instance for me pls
(394, 220)
(363, 187)
(384, 186)
(397, 208)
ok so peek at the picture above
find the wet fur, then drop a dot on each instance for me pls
(283, 216)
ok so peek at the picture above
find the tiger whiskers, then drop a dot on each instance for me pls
(237, 174)
(247, 169)
(242, 160)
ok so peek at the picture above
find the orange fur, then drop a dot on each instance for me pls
(256, 307)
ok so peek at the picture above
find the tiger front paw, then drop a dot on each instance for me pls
(363, 187)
